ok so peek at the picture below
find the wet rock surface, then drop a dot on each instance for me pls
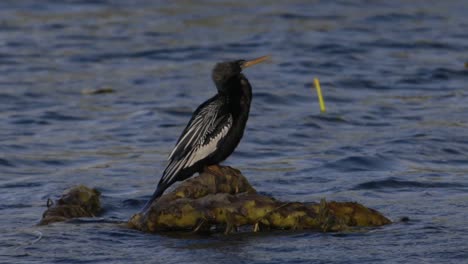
(78, 201)
(221, 198)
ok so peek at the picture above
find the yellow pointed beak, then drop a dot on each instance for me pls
(254, 61)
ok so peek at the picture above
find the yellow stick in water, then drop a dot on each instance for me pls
(319, 93)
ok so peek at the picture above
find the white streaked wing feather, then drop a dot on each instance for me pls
(197, 127)
(201, 152)
(173, 169)
(193, 146)
(204, 150)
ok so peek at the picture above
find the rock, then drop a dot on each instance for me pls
(221, 198)
(78, 201)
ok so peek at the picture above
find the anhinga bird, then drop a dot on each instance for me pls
(216, 127)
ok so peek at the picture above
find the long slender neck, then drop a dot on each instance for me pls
(239, 95)
(245, 94)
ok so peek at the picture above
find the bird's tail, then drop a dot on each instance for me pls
(159, 191)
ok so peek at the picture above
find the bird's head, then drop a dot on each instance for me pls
(226, 72)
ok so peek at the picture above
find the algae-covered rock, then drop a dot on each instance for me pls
(222, 198)
(78, 201)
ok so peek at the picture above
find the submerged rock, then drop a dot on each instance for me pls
(221, 198)
(78, 201)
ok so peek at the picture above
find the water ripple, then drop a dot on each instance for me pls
(4, 162)
(362, 163)
(393, 183)
(52, 115)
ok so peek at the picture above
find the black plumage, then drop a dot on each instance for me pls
(216, 127)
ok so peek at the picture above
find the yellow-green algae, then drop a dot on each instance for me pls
(78, 201)
(222, 198)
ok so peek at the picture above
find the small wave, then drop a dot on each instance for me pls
(334, 49)
(399, 17)
(54, 26)
(132, 203)
(370, 121)
(14, 206)
(446, 74)
(430, 75)
(363, 83)
(362, 163)
(411, 45)
(294, 16)
(325, 118)
(452, 151)
(53, 162)
(247, 45)
(8, 62)
(92, 220)
(27, 121)
(161, 53)
(269, 97)
(6, 163)
(393, 183)
(182, 111)
(60, 117)
(21, 185)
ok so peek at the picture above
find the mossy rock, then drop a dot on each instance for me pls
(78, 201)
(221, 198)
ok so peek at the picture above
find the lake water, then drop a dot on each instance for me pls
(394, 137)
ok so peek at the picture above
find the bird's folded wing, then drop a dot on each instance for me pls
(208, 126)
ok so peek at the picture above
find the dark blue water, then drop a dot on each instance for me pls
(395, 136)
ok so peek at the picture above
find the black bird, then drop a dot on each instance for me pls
(216, 127)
